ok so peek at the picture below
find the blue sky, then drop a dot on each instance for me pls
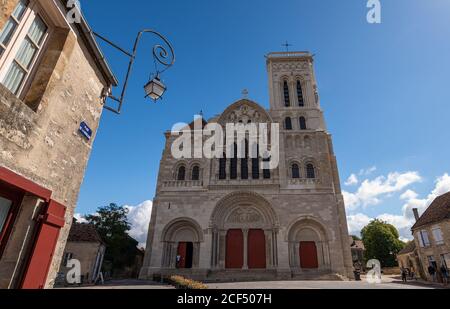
(384, 89)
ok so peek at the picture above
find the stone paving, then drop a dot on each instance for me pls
(389, 282)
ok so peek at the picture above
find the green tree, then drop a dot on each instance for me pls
(112, 225)
(382, 242)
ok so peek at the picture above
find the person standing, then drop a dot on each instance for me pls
(432, 272)
(404, 275)
(444, 274)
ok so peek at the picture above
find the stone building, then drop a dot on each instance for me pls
(229, 219)
(52, 80)
(357, 249)
(85, 245)
(408, 258)
(432, 234)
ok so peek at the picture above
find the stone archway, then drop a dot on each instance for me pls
(181, 240)
(308, 244)
(244, 220)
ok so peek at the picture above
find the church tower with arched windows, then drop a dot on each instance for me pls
(228, 218)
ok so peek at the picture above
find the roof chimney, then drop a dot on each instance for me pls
(416, 214)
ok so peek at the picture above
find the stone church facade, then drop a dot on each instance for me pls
(228, 219)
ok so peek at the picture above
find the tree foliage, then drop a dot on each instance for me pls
(382, 242)
(112, 225)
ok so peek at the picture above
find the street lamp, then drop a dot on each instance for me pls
(154, 88)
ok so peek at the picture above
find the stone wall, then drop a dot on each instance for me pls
(86, 253)
(39, 136)
(434, 250)
(6, 8)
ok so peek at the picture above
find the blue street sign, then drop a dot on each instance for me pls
(85, 130)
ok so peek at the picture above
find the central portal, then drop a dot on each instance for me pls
(244, 230)
(245, 249)
(256, 249)
(235, 249)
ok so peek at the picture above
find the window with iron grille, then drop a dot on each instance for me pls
(301, 101)
(287, 101)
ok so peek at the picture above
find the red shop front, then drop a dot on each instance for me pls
(38, 249)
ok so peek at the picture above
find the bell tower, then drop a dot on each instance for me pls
(293, 87)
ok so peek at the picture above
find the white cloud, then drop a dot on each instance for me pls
(408, 195)
(367, 171)
(402, 222)
(357, 222)
(139, 218)
(442, 185)
(371, 192)
(80, 218)
(352, 180)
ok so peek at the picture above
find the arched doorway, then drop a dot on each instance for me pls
(181, 240)
(308, 245)
(244, 228)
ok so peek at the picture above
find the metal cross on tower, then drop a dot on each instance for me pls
(286, 45)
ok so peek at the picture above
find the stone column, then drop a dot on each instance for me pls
(173, 255)
(283, 253)
(269, 254)
(245, 233)
(202, 251)
(164, 255)
(213, 248)
(293, 93)
(222, 248)
(275, 249)
(197, 262)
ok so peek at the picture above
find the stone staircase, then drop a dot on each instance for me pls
(270, 275)
(241, 275)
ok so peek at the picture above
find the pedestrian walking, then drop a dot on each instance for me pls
(432, 272)
(444, 274)
(404, 275)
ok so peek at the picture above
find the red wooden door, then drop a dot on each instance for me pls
(44, 247)
(256, 246)
(181, 255)
(235, 249)
(308, 255)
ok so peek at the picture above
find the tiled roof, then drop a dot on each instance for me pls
(410, 247)
(81, 232)
(438, 210)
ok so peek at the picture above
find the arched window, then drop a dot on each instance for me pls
(196, 173)
(244, 163)
(295, 171)
(233, 164)
(302, 123)
(223, 168)
(310, 171)
(266, 171)
(301, 101)
(181, 175)
(255, 164)
(288, 123)
(287, 101)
